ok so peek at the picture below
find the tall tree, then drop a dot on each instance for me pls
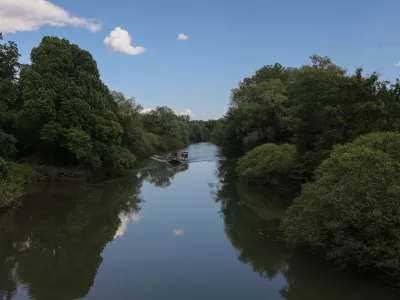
(9, 68)
(67, 112)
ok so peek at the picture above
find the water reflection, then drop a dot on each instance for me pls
(178, 232)
(53, 243)
(160, 174)
(126, 218)
(251, 217)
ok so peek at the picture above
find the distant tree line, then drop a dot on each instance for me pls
(57, 111)
(335, 131)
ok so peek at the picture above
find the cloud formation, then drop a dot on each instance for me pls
(125, 219)
(177, 232)
(119, 40)
(146, 110)
(210, 115)
(187, 112)
(30, 15)
(397, 64)
(182, 37)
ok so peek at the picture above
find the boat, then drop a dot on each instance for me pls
(177, 168)
(177, 157)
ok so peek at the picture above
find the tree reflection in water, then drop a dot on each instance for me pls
(53, 243)
(160, 174)
(251, 216)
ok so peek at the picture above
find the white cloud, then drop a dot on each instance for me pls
(119, 40)
(397, 64)
(125, 219)
(30, 15)
(187, 112)
(146, 110)
(178, 232)
(211, 115)
(182, 37)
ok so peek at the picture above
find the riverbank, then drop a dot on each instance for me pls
(86, 234)
(15, 176)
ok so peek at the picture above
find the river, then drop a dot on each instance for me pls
(164, 233)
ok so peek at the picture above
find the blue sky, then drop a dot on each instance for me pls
(228, 40)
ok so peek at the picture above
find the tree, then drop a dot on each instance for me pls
(199, 131)
(9, 68)
(268, 163)
(172, 130)
(330, 107)
(351, 211)
(258, 115)
(130, 118)
(67, 113)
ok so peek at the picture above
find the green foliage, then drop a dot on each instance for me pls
(10, 193)
(172, 130)
(7, 145)
(159, 130)
(351, 211)
(332, 108)
(4, 167)
(9, 68)
(63, 114)
(199, 132)
(60, 232)
(314, 107)
(10, 188)
(258, 115)
(268, 163)
(67, 113)
(21, 173)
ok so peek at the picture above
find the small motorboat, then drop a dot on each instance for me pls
(177, 157)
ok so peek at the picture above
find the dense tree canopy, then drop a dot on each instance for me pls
(268, 163)
(9, 68)
(338, 131)
(58, 111)
(351, 211)
(67, 112)
(313, 107)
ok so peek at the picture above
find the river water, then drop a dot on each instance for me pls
(164, 233)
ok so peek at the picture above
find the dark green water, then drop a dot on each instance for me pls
(162, 234)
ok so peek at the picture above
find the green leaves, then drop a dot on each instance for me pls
(10, 188)
(268, 163)
(78, 142)
(351, 211)
(66, 107)
(7, 145)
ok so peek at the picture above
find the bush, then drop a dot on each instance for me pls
(21, 173)
(10, 191)
(7, 144)
(351, 212)
(268, 163)
(4, 167)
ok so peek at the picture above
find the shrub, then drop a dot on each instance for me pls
(10, 193)
(352, 210)
(21, 173)
(268, 163)
(7, 144)
(4, 167)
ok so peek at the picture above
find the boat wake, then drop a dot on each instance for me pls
(194, 160)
